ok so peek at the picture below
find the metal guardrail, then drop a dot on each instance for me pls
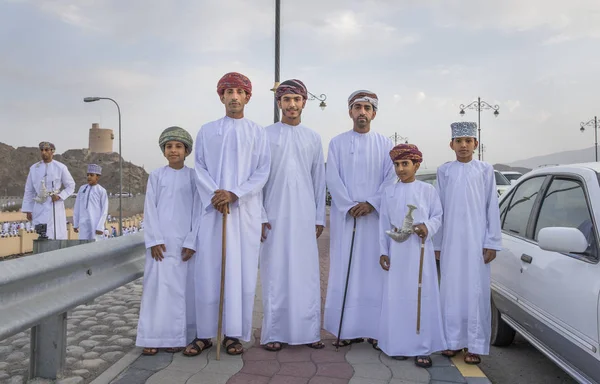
(37, 291)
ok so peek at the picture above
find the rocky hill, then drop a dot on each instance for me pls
(15, 164)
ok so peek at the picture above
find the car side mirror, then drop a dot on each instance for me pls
(562, 239)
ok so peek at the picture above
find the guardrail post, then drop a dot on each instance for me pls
(48, 347)
(49, 338)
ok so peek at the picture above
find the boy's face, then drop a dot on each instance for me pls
(175, 152)
(234, 100)
(405, 170)
(92, 178)
(464, 148)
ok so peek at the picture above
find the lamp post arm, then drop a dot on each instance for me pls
(312, 96)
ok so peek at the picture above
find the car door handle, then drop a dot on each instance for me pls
(526, 258)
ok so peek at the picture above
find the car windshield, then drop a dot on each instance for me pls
(501, 180)
(512, 176)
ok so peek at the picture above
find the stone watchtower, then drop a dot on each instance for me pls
(101, 139)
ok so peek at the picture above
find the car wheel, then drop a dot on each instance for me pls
(502, 333)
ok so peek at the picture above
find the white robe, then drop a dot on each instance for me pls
(358, 170)
(294, 201)
(471, 222)
(231, 154)
(172, 211)
(91, 208)
(53, 176)
(397, 326)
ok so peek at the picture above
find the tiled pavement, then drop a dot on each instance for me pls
(357, 364)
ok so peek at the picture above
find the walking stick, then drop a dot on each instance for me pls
(420, 283)
(53, 210)
(222, 295)
(337, 344)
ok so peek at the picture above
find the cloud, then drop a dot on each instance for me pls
(420, 97)
(512, 105)
(559, 21)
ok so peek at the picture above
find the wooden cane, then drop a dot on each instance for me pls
(222, 295)
(420, 284)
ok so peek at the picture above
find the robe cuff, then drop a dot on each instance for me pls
(153, 243)
(321, 222)
(190, 243)
(370, 201)
(27, 207)
(62, 194)
(495, 247)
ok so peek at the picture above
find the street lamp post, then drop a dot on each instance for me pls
(593, 122)
(479, 105)
(90, 100)
(277, 23)
(321, 97)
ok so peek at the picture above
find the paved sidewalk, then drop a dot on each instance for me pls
(356, 364)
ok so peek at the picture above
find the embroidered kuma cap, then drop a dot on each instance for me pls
(464, 129)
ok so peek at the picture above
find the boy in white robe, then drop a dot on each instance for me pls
(91, 206)
(401, 256)
(468, 241)
(358, 170)
(294, 202)
(172, 210)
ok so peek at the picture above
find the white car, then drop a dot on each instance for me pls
(430, 176)
(512, 176)
(546, 279)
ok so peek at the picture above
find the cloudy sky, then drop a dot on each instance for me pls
(537, 59)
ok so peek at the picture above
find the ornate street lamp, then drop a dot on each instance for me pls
(479, 105)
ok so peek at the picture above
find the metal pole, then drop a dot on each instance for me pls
(120, 175)
(277, 24)
(337, 343)
(479, 125)
(596, 136)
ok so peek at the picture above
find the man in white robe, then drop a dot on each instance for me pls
(232, 163)
(91, 207)
(468, 241)
(172, 208)
(48, 185)
(294, 202)
(358, 170)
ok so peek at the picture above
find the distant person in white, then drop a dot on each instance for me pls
(91, 207)
(294, 202)
(44, 200)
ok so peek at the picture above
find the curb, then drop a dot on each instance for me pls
(122, 364)
(472, 373)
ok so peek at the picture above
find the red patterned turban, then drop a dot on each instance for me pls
(234, 80)
(293, 86)
(406, 152)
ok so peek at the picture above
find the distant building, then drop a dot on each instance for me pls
(101, 139)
